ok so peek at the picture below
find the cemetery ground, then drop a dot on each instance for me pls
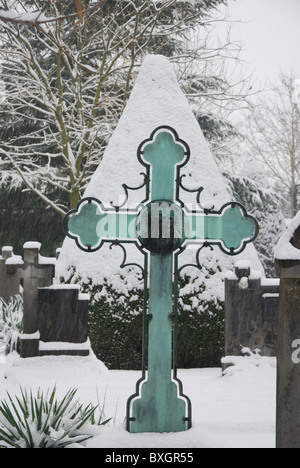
(236, 410)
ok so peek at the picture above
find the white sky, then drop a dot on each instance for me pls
(270, 32)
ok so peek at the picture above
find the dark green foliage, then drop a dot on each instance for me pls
(265, 205)
(201, 337)
(200, 330)
(24, 218)
(115, 326)
(215, 129)
(115, 329)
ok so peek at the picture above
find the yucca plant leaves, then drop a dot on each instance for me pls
(42, 421)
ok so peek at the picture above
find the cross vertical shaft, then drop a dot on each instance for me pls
(159, 409)
(160, 309)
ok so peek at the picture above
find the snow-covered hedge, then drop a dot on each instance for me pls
(116, 320)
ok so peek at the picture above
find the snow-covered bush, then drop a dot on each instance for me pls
(11, 319)
(201, 325)
(116, 321)
(42, 421)
(252, 189)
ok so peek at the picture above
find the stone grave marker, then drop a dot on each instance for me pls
(9, 286)
(55, 316)
(63, 321)
(33, 271)
(251, 311)
(161, 228)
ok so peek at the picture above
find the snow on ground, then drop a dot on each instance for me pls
(234, 411)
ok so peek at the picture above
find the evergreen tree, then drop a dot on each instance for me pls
(24, 217)
(252, 189)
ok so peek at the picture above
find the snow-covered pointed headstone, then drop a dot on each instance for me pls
(156, 99)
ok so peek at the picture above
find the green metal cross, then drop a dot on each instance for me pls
(161, 227)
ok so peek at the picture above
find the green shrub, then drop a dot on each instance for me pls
(201, 337)
(115, 328)
(201, 327)
(43, 422)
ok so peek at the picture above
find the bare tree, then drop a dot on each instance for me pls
(68, 69)
(274, 138)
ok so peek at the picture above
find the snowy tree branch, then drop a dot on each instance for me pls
(66, 82)
(31, 187)
(38, 18)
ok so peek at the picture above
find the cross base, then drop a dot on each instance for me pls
(159, 410)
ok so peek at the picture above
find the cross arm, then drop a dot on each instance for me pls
(231, 228)
(90, 224)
